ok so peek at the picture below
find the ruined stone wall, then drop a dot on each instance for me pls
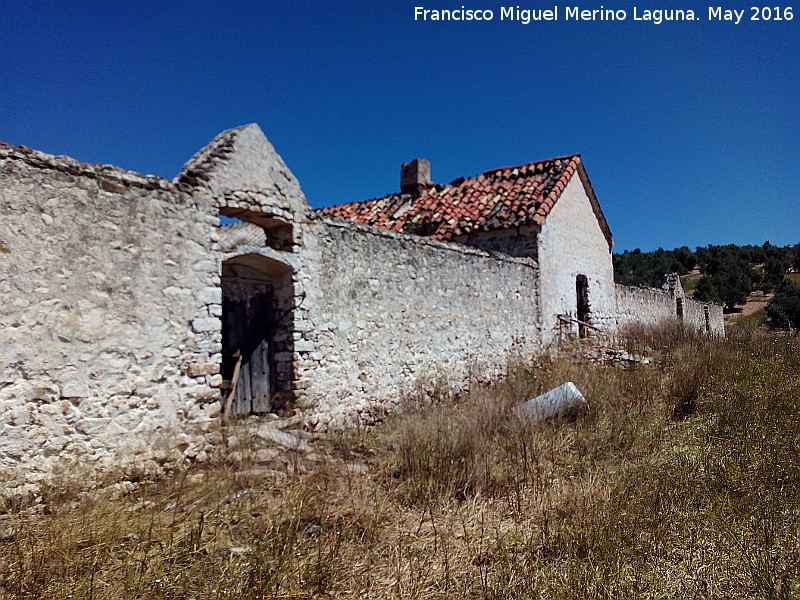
(111, 302)
(651, 306)
(109, 314)
(644, 306)
(382, 310)
(694, 315)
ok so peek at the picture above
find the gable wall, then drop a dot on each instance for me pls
(571, 243)
(517, 241)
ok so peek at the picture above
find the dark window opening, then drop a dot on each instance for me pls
(679, 308)
(278, 234)
(708, 318)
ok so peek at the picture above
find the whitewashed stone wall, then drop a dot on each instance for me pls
(516, 241)
(694, 315)
(571, 243)
(109, 314)
(382, 310)
(644, 306)
(111, 302)
(651, 306)
(246, 178)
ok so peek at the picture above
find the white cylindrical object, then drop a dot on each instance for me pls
(557, 402)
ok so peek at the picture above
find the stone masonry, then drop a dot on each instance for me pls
(109, 315)
(382, 310)
(126, 312)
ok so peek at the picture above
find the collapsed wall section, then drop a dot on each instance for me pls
(109, 311)
(382, 311)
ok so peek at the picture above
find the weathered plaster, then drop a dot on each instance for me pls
(570, 244)
(654, 307)
(109, 311)
(382, 310)
(517, 241)
(112, 288)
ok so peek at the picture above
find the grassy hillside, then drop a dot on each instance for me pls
(679, 482)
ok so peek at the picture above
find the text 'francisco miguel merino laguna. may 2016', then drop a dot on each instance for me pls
(526, 16)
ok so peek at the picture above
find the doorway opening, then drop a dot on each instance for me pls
(582, 293)
(679, 308)
(256, 316)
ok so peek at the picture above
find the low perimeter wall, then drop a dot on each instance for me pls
(111, 307)
(651, 306)
(384, 310)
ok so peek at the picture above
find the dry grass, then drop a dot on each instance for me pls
(689, 281)
(680, 481)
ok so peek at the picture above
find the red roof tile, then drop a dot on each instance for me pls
(497, 199)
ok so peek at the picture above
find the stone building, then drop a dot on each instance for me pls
(545, 211)
(127, 312)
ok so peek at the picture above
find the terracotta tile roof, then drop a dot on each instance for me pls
(497, 199)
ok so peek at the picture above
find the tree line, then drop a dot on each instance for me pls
(729, 274)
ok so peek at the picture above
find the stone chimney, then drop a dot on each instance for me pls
(415, 176)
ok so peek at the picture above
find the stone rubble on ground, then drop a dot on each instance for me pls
(608, 355)
(282, 438)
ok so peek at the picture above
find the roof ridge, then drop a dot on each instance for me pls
(439, 187)
(535, 162)
(560, 185)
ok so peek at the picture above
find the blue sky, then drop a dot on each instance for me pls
(689, 131)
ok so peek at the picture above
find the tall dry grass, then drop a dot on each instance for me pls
(680, 481)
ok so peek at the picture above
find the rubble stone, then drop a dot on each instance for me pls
(111, 302)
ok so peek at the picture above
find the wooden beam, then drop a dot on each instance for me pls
(229, 401)
(567, 319)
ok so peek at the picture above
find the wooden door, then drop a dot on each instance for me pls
(247, 332)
